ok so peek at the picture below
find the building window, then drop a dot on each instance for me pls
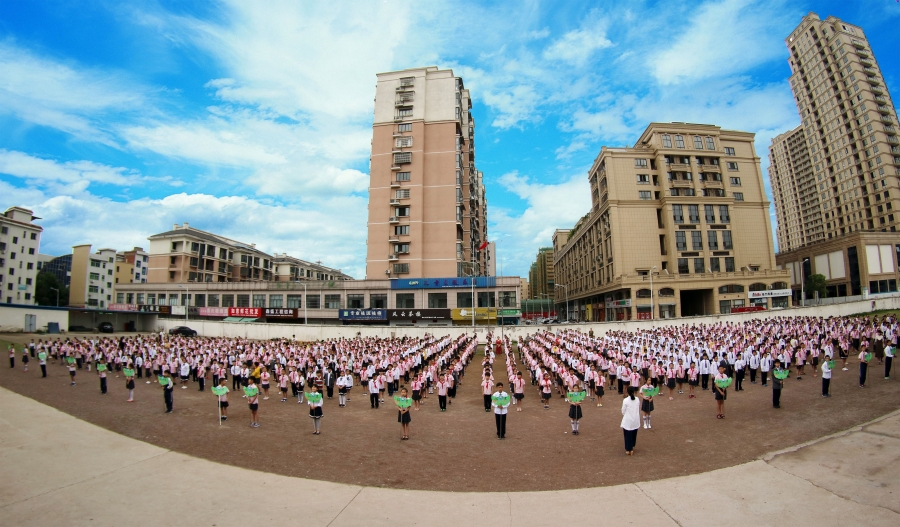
(680, 241)
(401, 158)
(729, 151)
(401, 230)
(679, 141)
(729, 264)
(94, 276)
(378, 301)
(406, 301)
(640, 163)
(402, 176)
(710, 214)
(403, 142)
(714, 265)
(401, 248)
(677, 214)
(712, 240)
(507, 299)
(696, 241)
(243, 300)
(723, 214)
(486, 299)
(276, 300)
(212, 300)
(402, 211)
(437, 300)
(644, 194)
(313, 301)
(404, 193)
(259, 300)
(294, 301)
(698, 143)
(683, 266)
(710, 144)
(332, 301)
(643, 293)
(402, 268)
(731, 165)
(355, 301)
(694, 213)
(643, 179)
(698, 266)
(738, 196)
(667, 141)
(726, 241)
(735, 181)
(227, 300)
(464, 299)
(404, 127)
(120, 298)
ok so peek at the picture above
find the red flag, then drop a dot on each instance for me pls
(482, 246)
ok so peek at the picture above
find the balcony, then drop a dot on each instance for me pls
(710, 168)
(887, 119)
(865, 62)
(870, 71)
(712, 183)
(877, 90)
(395, 184)
(682, 183)
(395, 202)
(679, 167)
(884, 110)
(893, 140)
(881, 99)
(857, 44)
(393, 257)
(873, 81)
(863, 54)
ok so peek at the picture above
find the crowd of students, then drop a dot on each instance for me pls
(575, 366)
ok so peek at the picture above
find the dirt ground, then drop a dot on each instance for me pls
(458, 450)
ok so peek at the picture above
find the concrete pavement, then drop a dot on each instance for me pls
(58, 470)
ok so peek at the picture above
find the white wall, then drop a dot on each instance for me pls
(316, 332)
(12, 318)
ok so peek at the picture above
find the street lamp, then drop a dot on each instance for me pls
(652, 311)
(567, 298)
(802, 291)
(187, 301)
(57, 295)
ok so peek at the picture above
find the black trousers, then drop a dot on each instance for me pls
(442, 402)
(43, 370)
(373, 399)
(739, 379)
(704, 381)
(776, 397)
(765, 377)
(487, 402)
(167, 395)
(621, 385)
(102, 384)
(202, 382)
(826, 383)
(863, 371)
(752, 375)
(630, 439)
(501, 425)
(140, 374)
(887, 366)
(12, 362)
(330, 390)
(235, 382)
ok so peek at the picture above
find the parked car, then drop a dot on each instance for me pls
(105, 327)
(184, 331)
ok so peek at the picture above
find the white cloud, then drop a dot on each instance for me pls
(576, 47)
(35, 169)
(722, 39)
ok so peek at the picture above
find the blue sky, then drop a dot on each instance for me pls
(253, 119)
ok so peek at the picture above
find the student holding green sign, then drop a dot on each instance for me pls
(101, 372)
(70, 364)
(129, 382)
(648, 392)
(500, 401)
(403, 403)
(252, 393)
(864, 357)
(827, 366)
(314, 400)
(168, 390)
(42, 360)
(221, 393)
(575, 414)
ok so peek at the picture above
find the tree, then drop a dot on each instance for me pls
(816, 283)
(44, 294)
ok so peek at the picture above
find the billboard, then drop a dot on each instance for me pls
(362, 314)
(418, 314)
(280, 312)
(247, 312)
(442, 283)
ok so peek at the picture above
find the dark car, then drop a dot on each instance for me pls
(105, 327)
(184, 331)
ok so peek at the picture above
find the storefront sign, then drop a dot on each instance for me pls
(481, 313)
(280, 312)
(441, 283)
(509, 313)
(418, 314)
(247, 312)
(769, 294)
(178, 310)
(644, 315)
(149, 308)
(362, 314)
(123, 307)
(747, 309)
(212, 311)
(612, 304)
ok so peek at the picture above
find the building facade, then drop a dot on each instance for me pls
(92, 281)
(61, 267)
(541, 277)
(427, 205)
(660, 241)
(132, 266)
(20, 243)
(186, 254)
(796, 196)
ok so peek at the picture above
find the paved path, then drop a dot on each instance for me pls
(58, 470)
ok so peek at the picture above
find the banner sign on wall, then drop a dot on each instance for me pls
(280, 312)
(212, 311)
(362, 314)
(161, 310)
(418, 314)
(769, 293)
(441, 283)
(248, 312)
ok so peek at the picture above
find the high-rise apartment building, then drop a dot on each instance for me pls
(541, 277)
(849, 125)
(20, 243)
(427, 206)
(662, 237)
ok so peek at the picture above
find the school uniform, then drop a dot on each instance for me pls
(889, 351)
(826, 378)
(631, 421)
(500, 414)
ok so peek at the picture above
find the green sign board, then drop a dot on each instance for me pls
(509, 312)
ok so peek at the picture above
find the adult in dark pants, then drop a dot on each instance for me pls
(826, 378)
(631, 420)
(777, 385)
(329, 382)
(500, 401)
(168, 390)
(864, 357)
(888, 359)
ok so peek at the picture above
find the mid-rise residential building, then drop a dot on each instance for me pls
(186, 254)
(660, 239)
(20, 243)
(427, 205)
(61, 267)
(541, 277)
(849, 124)
(491, 258)
(132, 266)
(92, 282)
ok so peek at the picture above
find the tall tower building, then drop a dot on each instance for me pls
(835, 218)
(427, 206)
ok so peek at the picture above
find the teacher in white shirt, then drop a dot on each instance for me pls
(631, 419)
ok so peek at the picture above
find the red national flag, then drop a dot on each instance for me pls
(483, 246)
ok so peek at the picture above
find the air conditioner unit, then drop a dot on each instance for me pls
(394, 219)
(395, 202)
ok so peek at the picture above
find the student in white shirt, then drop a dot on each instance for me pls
(500, 410)
(631, 420)
(826, 377)
(889, 350)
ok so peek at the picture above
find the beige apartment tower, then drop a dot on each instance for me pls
(836, 193)
(427, 206)
(679, 226)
